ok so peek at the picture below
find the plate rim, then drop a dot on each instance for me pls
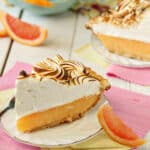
(51, 146)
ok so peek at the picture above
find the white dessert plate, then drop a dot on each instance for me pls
(117, 59)
(60, 136)
(146, 146)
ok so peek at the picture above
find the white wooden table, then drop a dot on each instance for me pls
(66, 31)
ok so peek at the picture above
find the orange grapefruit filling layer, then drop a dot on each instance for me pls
(117, 126)
(23, 29)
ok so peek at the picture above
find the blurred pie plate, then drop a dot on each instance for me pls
(117, 59)
(60, 136)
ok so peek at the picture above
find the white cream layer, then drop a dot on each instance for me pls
(139, 32)
(33, 95)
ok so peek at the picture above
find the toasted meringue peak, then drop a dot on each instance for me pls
(81, 79)
(59, 59)
(49, 68)
(22, 74)
(63, 71)
(126, 13)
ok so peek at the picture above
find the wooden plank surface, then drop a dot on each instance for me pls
(82, 35)
(5, 42)
(140, 89)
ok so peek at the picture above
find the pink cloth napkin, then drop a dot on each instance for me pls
(8, 80)
(136, 75)
(132, 107)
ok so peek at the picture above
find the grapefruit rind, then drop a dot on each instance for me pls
(3, 33)
(130, 143)
(33, 42)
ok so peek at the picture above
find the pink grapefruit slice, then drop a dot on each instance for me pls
(116, 129)
(23, 32)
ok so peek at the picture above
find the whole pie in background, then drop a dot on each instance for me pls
(125, 29)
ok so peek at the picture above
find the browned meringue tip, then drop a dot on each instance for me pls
(89, 24)
(105, 84)
(23, 74)
(126, 13)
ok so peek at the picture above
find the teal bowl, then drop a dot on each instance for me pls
(59, 6)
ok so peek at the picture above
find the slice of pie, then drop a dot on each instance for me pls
(125, 30)
(56, 92)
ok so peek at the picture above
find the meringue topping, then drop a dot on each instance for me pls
(62, 71)
(23, 74)
(126, 13)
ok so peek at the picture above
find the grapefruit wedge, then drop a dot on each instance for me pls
(23, 32)
(116, 129)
